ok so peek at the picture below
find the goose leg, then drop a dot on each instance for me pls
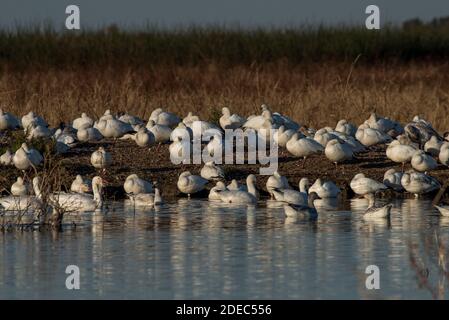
(304, 162)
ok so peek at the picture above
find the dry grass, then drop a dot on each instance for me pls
(314, 94)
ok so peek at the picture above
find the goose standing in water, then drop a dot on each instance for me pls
(433, 146)
(303, 147)
(228, 121)
(362, 185)
(214, 192)
(423, 162)
(83, 202)
(190, 184)
(19, 188)
(241, 197)
(24, 202)
(444, 154)
(165, 118)
(101, 159)
(338, 151)
(400, 153)
(292, 196)
(234, 186)
(81, 185)
(392, 179)
(211, 171)
(134, 185)
(83, 122)
(25, 157)
(147, 199)
(6, 158)
(276, 181)
(326, 189)
(419, 183)
(8, 121)
(303, 211)
(376, 211)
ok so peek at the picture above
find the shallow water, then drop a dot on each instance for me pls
(193, 249)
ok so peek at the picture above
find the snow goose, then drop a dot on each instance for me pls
(293, 196)
(256, 122)
(143, 137)
(113, 128)
(215, 147)
(134, 121)
(8, 121)
(82, 122)
(308, 210)
(279, 119)
(420, 131)
(326, 189)
(24, 202)
(19, 188)
(190, 118)
(228, 121)
(147, 199)
(164, 118)
(338, 151)
(419, 183)
(444, 210)
(241, 197)
(276, 181)
(345, 127)
(423, 162)
(322, 136)
(444, 154)
(384, 125)
(234, 185)
(180, 151)
(211, 171)
(134, 185)
(400, 153)
(32, 119)
(190, 184)
(37, 132)
(214, 192)
(81, 185)
(72, 202)
(65, 135)
(376, 211)
(6, 158)
(433, 146)
(392, 179)
(204, 130)
(370, 137)
(107, 115)
(100, 159)
(303, 147)
(362, 185)
(25, 157)
(181, 131)
(282, 136)
(88, 134)
(161, 132)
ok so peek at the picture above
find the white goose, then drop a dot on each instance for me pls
(32, 119)
(228, 121)
(190, 184)
(345, 127)
(276, 181)
(375, 211)
(292, 196)
(370, 137)
(19, 188)
(423, 162)
(322, 136)
(182, 132)
(215, 147)
(25, 158)
(282, 136)
(8, 121)
(214, 192)
(134, 185)
(204, 129)
(6, 159)
(81, 185)
(444, 210)
(211, 171)
(362, 185)
(24, 202)
(161, 132)
(234, 186)
(326, 189)
(241, 197)
(180, 150)
(101, 159)
(83, 122)
(400, 153)
(303, 211)
(338, 151)
(433, 146)
(147, 199)
(164, 118)
(419, 183)
(143, 137)
(134, 121)
(80, 201)
(303, 147)
(88, 134)
(392, 179)
(444, 154)
(37, 132)
(190, 118)
(113, 128)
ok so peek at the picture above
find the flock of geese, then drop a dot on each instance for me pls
(416, 143)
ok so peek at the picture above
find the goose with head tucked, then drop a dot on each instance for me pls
(182, 131)
(32, 119)
(280, 119)
(325, 189)
(134, 121)
(419, 183)
(101, 159)
(134, 185)
(400, 153)
(375, 211)
(234, 186)
(180, 150)
(307, 210)
(392, 179)
(228, 121)
(433, 146)
(83, 122)
(338, 151)
(6, 158)
(211, 171)
(282, 136)
(164, 118)
(322, 136)
(370, 136)
(147, 199)
(276, 181)
(25, 157)
(303, 147)
(160, 132)
(362, 185)
(81, 185)
(292, 196)
(190, 184)
(423, 162)
(113, 128)
(214, 192)
(8, 121)
(23, 202)
(37, 132)
(19, 188)
(88, 134)
(82, 202)
(444, 154)
(241, 197)
(346, 127)
(216, 146)
(143, 137)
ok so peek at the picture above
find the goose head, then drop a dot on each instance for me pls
(304, 185)
(225, 111)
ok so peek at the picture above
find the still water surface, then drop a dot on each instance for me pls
(194, 249)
